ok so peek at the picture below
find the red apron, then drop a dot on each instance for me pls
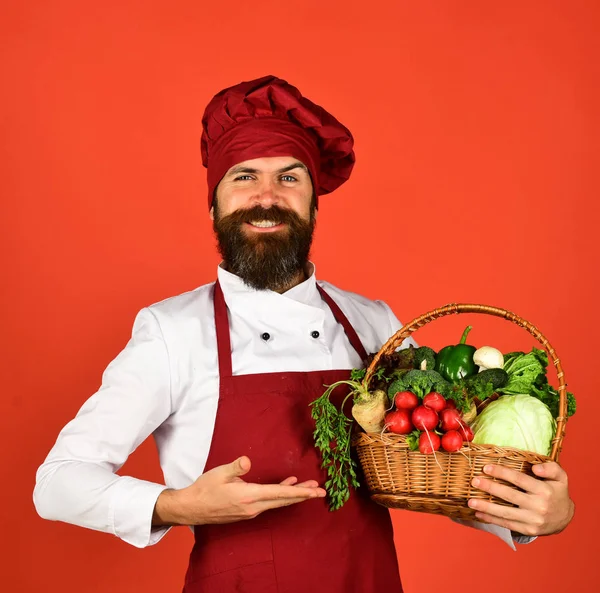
(299, 548)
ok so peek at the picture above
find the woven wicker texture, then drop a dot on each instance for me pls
(400, 478)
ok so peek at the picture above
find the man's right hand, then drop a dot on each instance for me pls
(221, 496)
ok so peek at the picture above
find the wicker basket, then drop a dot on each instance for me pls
(403, 479)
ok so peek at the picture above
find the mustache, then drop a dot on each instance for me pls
(273, 214)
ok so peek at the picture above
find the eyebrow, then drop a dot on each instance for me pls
(243, 169)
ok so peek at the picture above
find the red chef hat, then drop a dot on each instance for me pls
(269, 117)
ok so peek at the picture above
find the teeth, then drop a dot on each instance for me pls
(264, 224)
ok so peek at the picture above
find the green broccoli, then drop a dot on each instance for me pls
(426, 355)
(395, 387)
(497, 377)
(420, 383)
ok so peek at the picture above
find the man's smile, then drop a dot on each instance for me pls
(265, 226)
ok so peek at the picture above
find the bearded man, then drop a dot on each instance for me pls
(222, 377)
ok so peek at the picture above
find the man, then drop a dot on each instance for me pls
(222, 377)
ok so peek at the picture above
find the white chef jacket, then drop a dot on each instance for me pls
(165, 383)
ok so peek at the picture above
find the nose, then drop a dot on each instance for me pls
(266, 195)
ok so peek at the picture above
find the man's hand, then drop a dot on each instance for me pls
(543, 508)
(221, 496)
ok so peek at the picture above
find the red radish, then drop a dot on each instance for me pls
(429, 442)
(450, 419)
(399, 422)
(450, 403)
(452, 441)
(466, 432)
(434, 401)
(425, 419)
(405, 400)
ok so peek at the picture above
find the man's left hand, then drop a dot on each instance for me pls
(543, 508)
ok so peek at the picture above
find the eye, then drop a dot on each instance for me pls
(243, 177)
(288, 178)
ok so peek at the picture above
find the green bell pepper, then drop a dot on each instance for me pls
(456, 362)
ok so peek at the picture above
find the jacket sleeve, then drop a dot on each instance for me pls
(77, 483)
(504, 534)
(394, 326)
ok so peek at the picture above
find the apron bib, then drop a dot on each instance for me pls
(299, 548)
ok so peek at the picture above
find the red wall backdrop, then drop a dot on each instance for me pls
(477, 180)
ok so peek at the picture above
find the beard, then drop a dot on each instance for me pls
(265, 261)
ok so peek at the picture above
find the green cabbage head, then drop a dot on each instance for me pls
(519, 421)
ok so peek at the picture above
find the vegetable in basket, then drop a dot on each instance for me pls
(369, 410)
(519, 421)
(498, 377)
(523, 370)
(488, 357)
(425, 358)
(333, 432)
(456, 362)
(527, 375)
(420, 383)
(399, 421)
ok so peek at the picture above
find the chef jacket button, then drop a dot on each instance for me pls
(266, 336)
(315, 334)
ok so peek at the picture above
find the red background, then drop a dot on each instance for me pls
(476, 128)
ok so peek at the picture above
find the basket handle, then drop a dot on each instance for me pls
(406, 330)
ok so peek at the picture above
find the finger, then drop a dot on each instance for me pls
(550, 471)
(519, 479)
(235, 469)
(516, 526)
(265, 492)
(291, 481)
(500, 511)
(308, 484)
(265, 505)
(502, 491)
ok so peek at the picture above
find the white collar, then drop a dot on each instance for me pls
(239, 295)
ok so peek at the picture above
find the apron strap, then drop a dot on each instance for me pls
(345, 323)
(224, 339)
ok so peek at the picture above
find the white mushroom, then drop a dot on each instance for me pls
(488, 358)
